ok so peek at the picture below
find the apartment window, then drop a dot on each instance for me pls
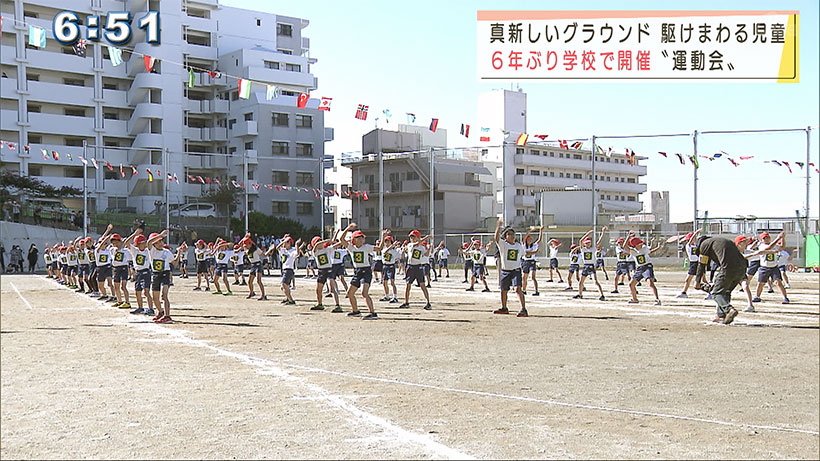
(250, 174)
(234, 95)
(304, 150)
(30, 14)
(576, 157)
(622, 179)
(34, 108)
(112, 144)
(279, 119)
(288, 93)
(35, 139)
(249, 116)
(630, 180)
(304, 179)
(74, 112)
(630, 198)
(258, 22)
(280, 148)
(73, 172)
(535, 152)
(519, 150)
(519, 171)
(293, 67)
(250, 205)
(552, 174)
(304, 121)
(281, 177)
(35, 170)
(249, 145)
(109, 86)
(284, 51)
(33, 77)
(111, 174)
(519, 192)
(602, 196)
(577, 176)
(111, 115)
(284, 30)
(412, 176)
(552, 154)
(281, 207)
(74, 81)
(560, 175)
(519, 212)
(608, 178)
(560, 155)
(609, 197)
(231, 123)
(272, 65)
(304, 208)
(535, 173)
(73, 142)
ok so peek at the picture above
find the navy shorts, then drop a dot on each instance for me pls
(468, 264)
(325, 274)
(783, 268)
(256, 268)
(378, 266)
(238, 268)
(599, 263)
(338, 270)
(426, 269)
(103, 272)
(287, 276)
(528, 265)
(573, 268)
(442, 263)
(478, 270)
(415, 273)
(588, 269)
(622, 268)
(72, 270)
(644, 272)
(202, 267)
(753, 267)
(769, 273)
(693, 267)
(160, 279)
(389, 272)
(553, 263)
(221, 269)
(85, 270)
(143, 280)
(310, 262)
(361, 275)
(120, 274)
(631, 265)
(510, 278)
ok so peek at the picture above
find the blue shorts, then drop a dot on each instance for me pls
(104, 272)
(753, 267)
(478, 270)
(528, 265)
(588, 269)
(426, 269)
(378, 266)
(415, 273)
(510, 278)
(361, 275)
(573, 268)
(644, 272)
(287, 276)
(622, 268)
(631, 265)
(143, 280)
(468, 264)
(769, 273)
(389, 272)
(783, 268)
(693, 267)
(238, 268)
(221, 269)
(338, 270)
(160, 279)
(256, 268)
(442, 263)
(553, 263)
(202, 267)
(85, 270)
(324, 275)
(120, 274)
(599, 263)
(310, 262)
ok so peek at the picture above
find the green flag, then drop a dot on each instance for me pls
(190, 78)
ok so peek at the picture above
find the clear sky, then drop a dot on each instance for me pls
(420, 57)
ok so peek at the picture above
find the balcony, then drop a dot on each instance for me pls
(118, 128)
(617, 206)
(61, 124)
(8, 89)
(142, 114)
(245, 128)
(43, 59)
(8, 120)
(557, 162)
(283, 77)
(58, 93)
(195, 162)
(546, 181)
(200, 51)
(525, 201)
(148, 140)
(37, 155)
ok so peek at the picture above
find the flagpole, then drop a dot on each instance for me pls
(381, 193)
(245, 176)
(594, 195)
(85, 189)
(165, 192)
(808, 177)
(432, 198)
(695, 181)
(322, 196)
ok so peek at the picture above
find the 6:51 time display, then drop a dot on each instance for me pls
(117, 27)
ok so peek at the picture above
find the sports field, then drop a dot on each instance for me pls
(236, 378)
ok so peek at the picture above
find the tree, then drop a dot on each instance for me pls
(263, 224)
(12, 183)
(225, 198)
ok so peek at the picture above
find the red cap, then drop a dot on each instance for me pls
(635, 241)
(116, 237)
(358, 234)
(573, 246)
(414, 232)
(288, 239)
(764, 235)
(315, 240)
(236, 247)
(586, 240)
(740, 239)
(166, 246)
(200, 242)
(465, 245)
(388, 239)
(210, 244)
(404, 243)
(620, 240)
(153, 234)
(140, 239)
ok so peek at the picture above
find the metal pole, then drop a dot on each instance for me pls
(504, 182)
(381, 193)
(594, 195)
(165, 192)
(808, 176)
(245, 176)
(695, 182)
(322, 197)
(432, 197)
(85, 189)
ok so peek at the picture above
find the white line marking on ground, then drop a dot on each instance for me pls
(402, 435)
(25, 301)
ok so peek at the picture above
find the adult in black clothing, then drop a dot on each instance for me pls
(33, 254)
(731, 271)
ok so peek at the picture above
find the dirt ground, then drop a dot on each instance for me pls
(237, 378)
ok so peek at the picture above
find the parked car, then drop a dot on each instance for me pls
(201, 210)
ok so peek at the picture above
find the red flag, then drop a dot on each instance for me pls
(316, 193)
(56, 156)
(433, 125)
(325, 104)
(122, 170)
(746, 157)
(219, 183)
(577, 145)
(361, 112)
(541, 136)
(200, 179)
(191, 178)
(207, 180)
(562, 143)
(733, 161)
(270, 187)
(26, 148)
(364, 194)
(149, 62)
(108, 165)
(278, 188)
(302, 101)
(663, 153)
(11, 146)
(484, 139)
(787, 165)
(465, 130)
(133, 170)
(159, 173)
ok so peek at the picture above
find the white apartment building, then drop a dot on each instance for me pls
(52, 99)
(536, 176)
